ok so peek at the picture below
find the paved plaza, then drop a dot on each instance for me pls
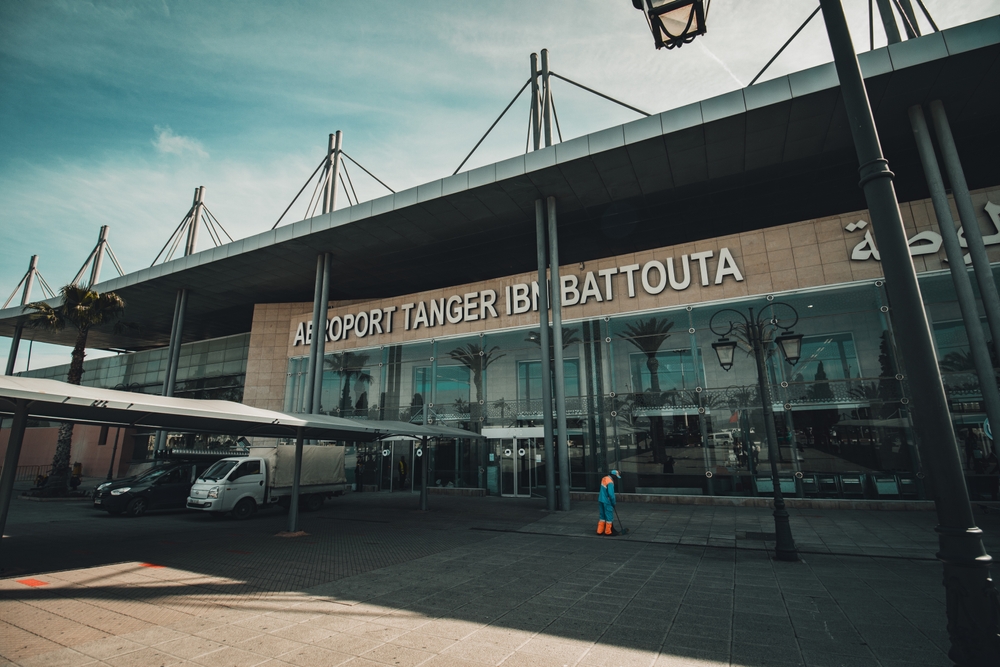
(473, 582)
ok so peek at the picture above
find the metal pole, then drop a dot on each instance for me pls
(536, 120)
(114, 452)
(557, 351)
(423, 474)
(175, 351)
(546, 99)
(328, 186)
(543, 342)
(102, 244)
(324, 300)
(888, 21)
(335, 175)
(971, 599)
(316, 335)
(29, 280)
(909, 19)
(173, 359)
(967, 214)
(14, 442)
(293, 506)
(15, 342)
(784, 546)
(959, 273)
(192, 239)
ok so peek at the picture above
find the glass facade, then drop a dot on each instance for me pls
(208, 369)
(645, 394)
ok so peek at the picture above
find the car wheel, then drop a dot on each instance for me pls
(137, 507)
(245, 509)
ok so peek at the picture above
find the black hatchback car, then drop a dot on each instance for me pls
(164, 486)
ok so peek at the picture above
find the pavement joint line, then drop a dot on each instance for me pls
(706, 546)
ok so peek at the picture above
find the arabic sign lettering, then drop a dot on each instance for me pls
(923, 243)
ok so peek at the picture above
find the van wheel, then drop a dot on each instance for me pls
(311, 502)
(137, 507)
(245, 509)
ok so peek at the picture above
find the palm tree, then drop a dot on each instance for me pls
(649, 336)
(350, 366)
(477, 360)
(570, 336)
(82, 309)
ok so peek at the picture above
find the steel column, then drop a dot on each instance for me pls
(102, 245)
(293, 507)
(173, 359)
(557, 352)
(536, 118)
(546, 99)
(888, 21)
(959, 272)
(15, 343)
(333, 185)
(970, 224)
(324, 300)
(971, 599)
(192, 239)
(543, 343)
(14, 442)
(170, 380)
(315, 335)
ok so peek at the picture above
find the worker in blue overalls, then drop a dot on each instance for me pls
(606, 502)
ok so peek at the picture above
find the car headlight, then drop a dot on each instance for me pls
(118, 492)
(104, 486)
(213, 492)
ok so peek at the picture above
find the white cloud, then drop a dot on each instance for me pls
(168, 142)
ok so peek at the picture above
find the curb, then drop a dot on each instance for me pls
(767, 503)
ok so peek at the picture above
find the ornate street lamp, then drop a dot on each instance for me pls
(972, 602)
(674, 22)
(757, 327)
(725, 349)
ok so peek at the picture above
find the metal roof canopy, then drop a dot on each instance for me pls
(767, 155)
(25, 398)
(61, 401)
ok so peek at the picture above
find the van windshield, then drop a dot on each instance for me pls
(218, 470)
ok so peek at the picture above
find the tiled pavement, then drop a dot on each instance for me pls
(473, 582)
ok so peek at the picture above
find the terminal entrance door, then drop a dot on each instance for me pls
(518, 455)
(392, 449)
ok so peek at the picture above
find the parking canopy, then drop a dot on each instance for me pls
(27, 398)
(61, 401)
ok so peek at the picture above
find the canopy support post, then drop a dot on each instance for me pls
(293, 507)
(10, 460)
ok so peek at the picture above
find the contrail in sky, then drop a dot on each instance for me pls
(714, 57)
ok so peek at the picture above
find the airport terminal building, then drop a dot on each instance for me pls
(744, 201)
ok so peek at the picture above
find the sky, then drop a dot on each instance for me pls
(112, 112)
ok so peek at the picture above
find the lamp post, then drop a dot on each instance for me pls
(757, 327)
(674, 23)
(971, 600)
